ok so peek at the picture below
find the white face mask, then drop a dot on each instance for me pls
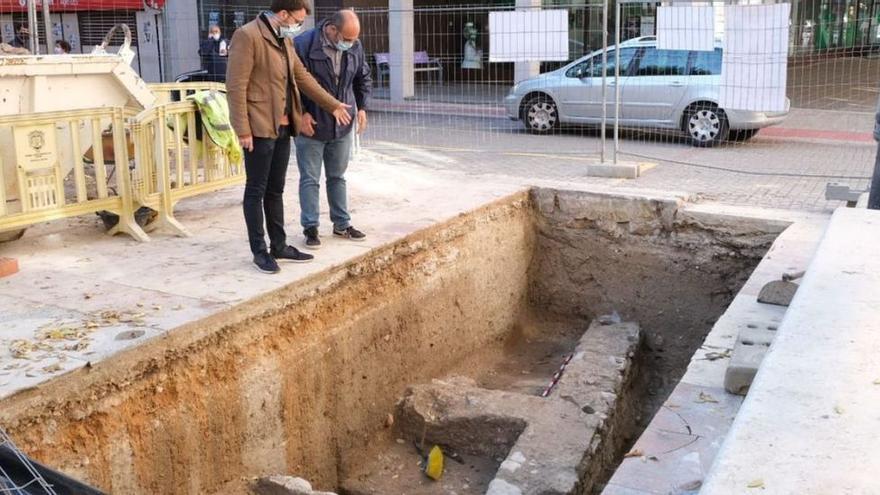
(214, 36)
(59, 51)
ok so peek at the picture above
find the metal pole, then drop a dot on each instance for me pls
(33, 41)
(874, 195)
(47, 20)
(616, 81)
(604, 74)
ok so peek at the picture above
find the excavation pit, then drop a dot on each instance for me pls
(303, 380)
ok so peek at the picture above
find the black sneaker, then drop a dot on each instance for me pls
(293, 254)
(312, 239)
(350, 233)
(266, 263)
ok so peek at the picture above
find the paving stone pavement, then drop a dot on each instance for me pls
(779, 170)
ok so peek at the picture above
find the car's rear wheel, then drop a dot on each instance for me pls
(742, 135)
(706, 125)
(540, 115)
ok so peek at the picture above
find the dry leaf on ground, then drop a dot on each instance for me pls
(704, 398)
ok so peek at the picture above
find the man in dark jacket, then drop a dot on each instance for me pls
(214, 52)
(22, 37)
(334, 56)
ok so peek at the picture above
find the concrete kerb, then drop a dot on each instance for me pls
(555, 445)
(810, 415)
(619, 170)
(688, 431)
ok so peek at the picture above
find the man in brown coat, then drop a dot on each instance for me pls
(263, 83)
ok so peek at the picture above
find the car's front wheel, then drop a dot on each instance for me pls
(540, 115)
(706, 125)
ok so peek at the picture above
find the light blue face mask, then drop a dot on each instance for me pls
(290, 31)
(285, 30)
(344, 46)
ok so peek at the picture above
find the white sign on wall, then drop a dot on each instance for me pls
(528, 36)
(755, 62)
(686, 28)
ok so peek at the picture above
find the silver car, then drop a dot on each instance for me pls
(662, 89)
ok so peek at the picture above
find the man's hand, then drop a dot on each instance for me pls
(343, 117)
(362, 121)
(246, 142)
(308, 125)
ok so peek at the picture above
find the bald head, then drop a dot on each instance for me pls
(346, 24)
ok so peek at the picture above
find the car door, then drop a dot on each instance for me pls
(657, 85)
(581, 97)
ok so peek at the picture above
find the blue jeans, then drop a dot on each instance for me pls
(334, 155)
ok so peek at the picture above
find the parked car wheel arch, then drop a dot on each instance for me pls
(529, 97)
(721, 128)
(690, 108)
(540, 113)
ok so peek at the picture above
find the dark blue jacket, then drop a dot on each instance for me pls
(354, 85)
(212, 61)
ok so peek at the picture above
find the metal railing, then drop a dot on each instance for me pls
(175, 159)
(51, 147)
(110, 160)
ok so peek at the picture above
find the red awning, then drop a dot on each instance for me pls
(7, 6)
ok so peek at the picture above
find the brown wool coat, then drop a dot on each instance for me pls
(256, 82)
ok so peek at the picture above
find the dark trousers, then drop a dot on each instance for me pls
(266, 170)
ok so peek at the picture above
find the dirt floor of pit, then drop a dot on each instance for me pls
(524, 361)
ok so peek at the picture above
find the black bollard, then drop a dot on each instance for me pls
(874, 197)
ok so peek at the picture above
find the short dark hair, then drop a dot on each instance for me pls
(290, 6)
(64, 45)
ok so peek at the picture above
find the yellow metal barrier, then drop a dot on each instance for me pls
(49, 150)
(89, 152)
(165, 91)
(171, 164)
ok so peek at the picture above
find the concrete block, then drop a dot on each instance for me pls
(751, 346)
(8, 266)
(620, 170)
(744, 364)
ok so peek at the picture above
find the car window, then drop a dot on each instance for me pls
(580, 70)
(626, 56)
(656, 62)
(706, 63)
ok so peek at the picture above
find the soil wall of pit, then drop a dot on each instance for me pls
(292, 382)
